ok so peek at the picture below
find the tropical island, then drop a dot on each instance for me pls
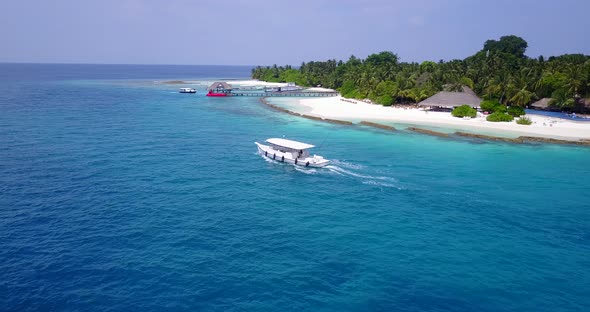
(491, 89)
(499, 72)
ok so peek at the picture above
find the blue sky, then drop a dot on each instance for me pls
(251, 32)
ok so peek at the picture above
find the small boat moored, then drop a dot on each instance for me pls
(220, 88)
(187, 90)
(216, 94)
(292, 152)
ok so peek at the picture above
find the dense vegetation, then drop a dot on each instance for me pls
(464, 111)
(515, 111)
(499, 117)
(492, 106)
(500, 71)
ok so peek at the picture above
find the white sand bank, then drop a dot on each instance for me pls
(337, 108)
(255, 83)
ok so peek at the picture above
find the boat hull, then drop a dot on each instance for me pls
(268, 152)
(217, 94)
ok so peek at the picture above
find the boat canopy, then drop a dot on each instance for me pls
(289, 144)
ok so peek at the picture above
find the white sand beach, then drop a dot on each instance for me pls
(354, 110)
(255, 83)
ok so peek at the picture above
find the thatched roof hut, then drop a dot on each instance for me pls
(220, 85)
(452, 99)
(467, 89)
(541, 104)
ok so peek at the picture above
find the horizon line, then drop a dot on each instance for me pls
(255, 65)
(158, 64)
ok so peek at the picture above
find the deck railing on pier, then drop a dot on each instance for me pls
(285, 94)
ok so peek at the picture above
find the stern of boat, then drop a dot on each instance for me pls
(319, 161)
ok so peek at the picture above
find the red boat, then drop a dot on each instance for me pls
(219, 89)
(211, 93)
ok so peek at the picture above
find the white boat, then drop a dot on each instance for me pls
(187, 90)
(292, 152)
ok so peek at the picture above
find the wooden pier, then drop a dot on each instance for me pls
(283, 94)
(220, 88)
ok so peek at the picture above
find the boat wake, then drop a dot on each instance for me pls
(346, 169)
(306, 170)
(348, 165)
(342, 171)
(381, 181)
(391, 185)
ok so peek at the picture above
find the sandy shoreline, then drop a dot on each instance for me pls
(337, 108)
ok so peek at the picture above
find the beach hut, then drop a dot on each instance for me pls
(541, 104)
(449, 100)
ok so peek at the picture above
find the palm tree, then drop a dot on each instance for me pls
(455, 86)
(452, 79)
(499, 85)
(574, 80)
(562, 100)
(418, 94)
(404, 95)
(522, 97)
(518, 92)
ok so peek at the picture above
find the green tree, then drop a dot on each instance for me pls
(516, 111)
(347, 90)
(522, 97)
(499, 85)
(386, 100)
(388, 88)
(513, 45)
(492, 106)
(417, 94)
(464, 111)
(574, 78)
(382, 58)
(562, 100)
(499, 117)
(499, 71)
(427, 66)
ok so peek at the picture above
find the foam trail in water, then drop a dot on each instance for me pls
(340, 170)
(381, 181)
(368, 179)
(306, 170)
(344, 164)
(376, 183)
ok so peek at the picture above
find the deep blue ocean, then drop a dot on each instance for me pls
(119, 194)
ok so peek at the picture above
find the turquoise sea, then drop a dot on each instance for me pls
(119, 194)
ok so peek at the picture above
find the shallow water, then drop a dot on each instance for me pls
(126, 195)
(560, 115)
